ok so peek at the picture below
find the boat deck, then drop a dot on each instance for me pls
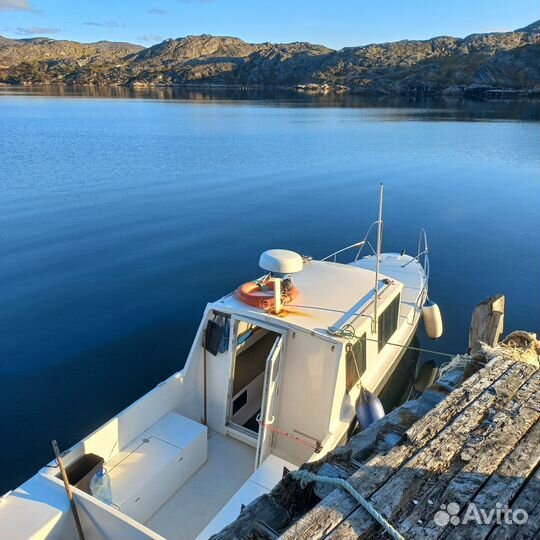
(196, 503)
(392, 265)
(320, 302)
(262, 481)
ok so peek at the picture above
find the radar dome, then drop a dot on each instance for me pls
(281, 261)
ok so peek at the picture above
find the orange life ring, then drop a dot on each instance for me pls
(252, 293)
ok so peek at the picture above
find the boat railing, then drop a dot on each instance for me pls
(422, 257)
(359, 246)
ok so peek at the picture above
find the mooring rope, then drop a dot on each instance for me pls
(305, 477)
(348, 332)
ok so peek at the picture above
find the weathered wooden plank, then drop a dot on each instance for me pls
(431, 424)
(529, 501)
(338, 505)
(505, 428)
(487, 323)
(480, 457)
(502, 487)
(331, 470)
(398, 495)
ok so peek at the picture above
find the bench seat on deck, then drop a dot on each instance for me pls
(146, 472)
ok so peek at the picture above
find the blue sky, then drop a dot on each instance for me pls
(335, 23)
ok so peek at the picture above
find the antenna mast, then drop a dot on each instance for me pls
(378, 262)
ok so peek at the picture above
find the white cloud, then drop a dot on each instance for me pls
(150, 38)
(157, 11)
(15, 5)
(35, 31)
(106, 24)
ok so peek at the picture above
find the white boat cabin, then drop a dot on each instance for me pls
(260, 394)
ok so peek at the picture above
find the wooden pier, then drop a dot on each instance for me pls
(462, 461)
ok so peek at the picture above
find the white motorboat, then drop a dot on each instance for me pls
(271, 382)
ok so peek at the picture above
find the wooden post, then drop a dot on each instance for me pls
(487, 323)
(68, 490)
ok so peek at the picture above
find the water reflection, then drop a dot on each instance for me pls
(399, 108)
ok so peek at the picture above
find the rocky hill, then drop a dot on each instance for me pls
(507, 61)
(51, 61)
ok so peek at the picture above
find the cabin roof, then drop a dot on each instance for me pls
(327, 292)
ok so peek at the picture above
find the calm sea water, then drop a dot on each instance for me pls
(122, 216)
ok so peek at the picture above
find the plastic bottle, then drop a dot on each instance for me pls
(100, 486)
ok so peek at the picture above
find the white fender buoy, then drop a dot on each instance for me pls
(432, 319)
(369, 408)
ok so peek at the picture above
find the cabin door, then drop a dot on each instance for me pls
(266, 418)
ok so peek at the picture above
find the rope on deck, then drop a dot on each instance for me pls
(305, 477)
(519, 345)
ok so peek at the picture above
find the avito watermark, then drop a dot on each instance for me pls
(451, 513)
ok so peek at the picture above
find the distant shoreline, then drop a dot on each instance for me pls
(470, 92)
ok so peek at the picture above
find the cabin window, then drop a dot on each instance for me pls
(356, 362)
(387, 322)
